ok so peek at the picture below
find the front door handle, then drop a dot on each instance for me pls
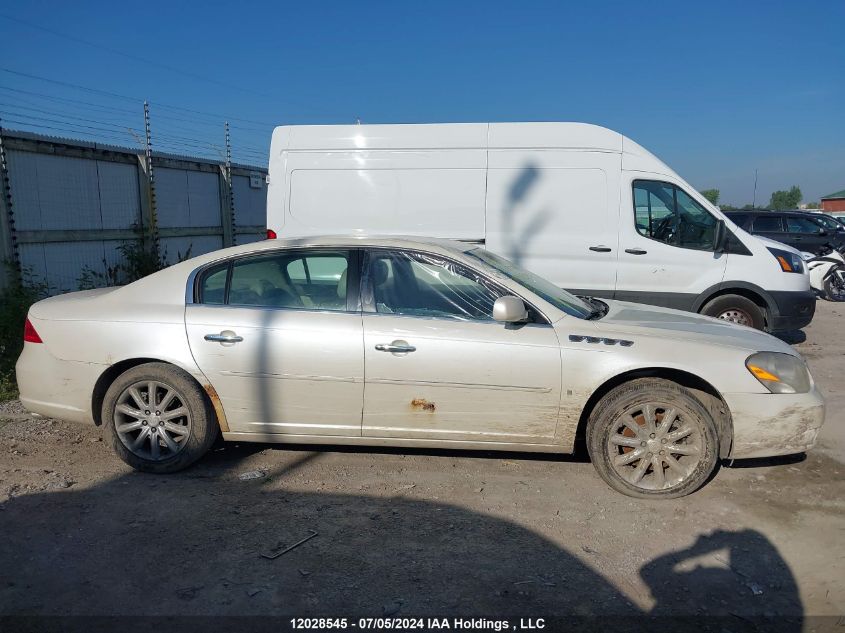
(600, 249)
(396, 347)
(635, 251)
(226, 336)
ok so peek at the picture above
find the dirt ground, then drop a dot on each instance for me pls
(436, 533)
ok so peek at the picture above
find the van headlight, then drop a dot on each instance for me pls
(789, 262)
(780, 373)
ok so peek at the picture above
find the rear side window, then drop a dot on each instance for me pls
(666, 213)
(288, 279)
(768, 224)
(213, 285)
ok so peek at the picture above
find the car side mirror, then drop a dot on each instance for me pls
(719, 235)
(822, 232)
(510, 309)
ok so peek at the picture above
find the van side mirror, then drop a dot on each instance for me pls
(719, 236)
(510, 309)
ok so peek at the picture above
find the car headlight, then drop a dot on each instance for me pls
(780, 373)
(789, 262)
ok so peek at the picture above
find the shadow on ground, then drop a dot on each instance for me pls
(191, 544)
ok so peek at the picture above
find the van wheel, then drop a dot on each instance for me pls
(652, 438)
(736, 309)
(157, 419)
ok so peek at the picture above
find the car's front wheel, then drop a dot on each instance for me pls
(652, 438)
(157, 418)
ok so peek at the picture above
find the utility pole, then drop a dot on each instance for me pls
(754, 202)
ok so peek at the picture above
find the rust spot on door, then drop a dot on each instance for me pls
(218, 407)
(421, 404)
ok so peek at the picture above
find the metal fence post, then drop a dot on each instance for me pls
(150, 209)
(228, 204)
(9, 257)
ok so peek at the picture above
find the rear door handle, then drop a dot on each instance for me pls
(635, 251)
(600, 249)
(396, 347)
(226, 336)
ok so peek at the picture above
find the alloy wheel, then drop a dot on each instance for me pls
(152, 420)
(654, 446)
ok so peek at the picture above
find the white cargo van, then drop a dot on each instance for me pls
(579, 204)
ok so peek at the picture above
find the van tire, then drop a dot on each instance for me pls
(736, 309)
(692, 432)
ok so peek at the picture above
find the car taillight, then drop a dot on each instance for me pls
(271, 234)
(29, 333)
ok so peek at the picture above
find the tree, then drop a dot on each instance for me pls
(711, 194)
(813, 205)
(782, 200)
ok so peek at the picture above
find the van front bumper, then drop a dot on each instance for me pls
(791, 310)
(771, 424)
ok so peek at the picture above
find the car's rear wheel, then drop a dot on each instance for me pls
(652, 438)
(736, 309)
(157, 418)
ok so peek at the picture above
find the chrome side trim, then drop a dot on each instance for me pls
(258, 374)
(458, 385)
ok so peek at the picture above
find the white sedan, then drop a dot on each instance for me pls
(410, 343)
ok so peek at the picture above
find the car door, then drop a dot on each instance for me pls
(805, 234)
(667, 252)
(439, 367)
(280, 339)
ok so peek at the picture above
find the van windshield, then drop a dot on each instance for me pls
(543, 288)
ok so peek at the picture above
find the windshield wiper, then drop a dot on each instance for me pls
(599, 308)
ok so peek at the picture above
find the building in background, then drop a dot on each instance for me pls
(834, 201)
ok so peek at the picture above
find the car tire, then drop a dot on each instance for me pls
(736, 309)
(161, 439)
(625, 447)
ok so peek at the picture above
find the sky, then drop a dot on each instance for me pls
(715, 89)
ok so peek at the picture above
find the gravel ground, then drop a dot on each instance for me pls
(424, 532)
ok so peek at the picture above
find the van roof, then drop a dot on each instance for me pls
(447, 136)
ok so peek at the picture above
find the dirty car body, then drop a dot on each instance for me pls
(410, 342)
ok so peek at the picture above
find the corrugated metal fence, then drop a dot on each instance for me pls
(68, 205)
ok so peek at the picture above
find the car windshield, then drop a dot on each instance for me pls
(558, 297)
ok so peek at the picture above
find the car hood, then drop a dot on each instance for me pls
(634, 318)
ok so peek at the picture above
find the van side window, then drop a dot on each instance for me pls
(768, 224)
(668, 214)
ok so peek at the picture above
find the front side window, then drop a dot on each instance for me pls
(416, 284)
(801, 225)
(666, 213)
(287, 279)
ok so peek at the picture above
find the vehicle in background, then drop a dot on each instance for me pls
(581, 205)
(798, 229)
(410, 343)
(827, 221)
(827, 273)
